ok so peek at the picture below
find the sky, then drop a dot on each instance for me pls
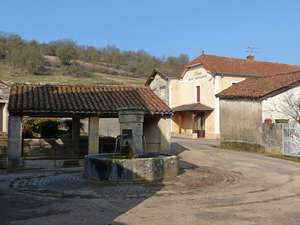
(163, 27)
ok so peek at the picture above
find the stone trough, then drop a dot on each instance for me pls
(145, 168)
(131, 162)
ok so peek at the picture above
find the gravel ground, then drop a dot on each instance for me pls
(215, 187)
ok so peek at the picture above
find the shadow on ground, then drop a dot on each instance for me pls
(176, 148)
(62, 197)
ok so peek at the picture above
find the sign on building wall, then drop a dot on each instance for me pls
(291, 141)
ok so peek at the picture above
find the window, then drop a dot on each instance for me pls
(198, 93)
(281, 121)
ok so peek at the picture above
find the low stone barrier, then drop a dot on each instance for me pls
(104, 167)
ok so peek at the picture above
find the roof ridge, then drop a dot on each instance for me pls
(71, 101)
(261, 86)
(80, 85)
(242, 59)
(285, 73)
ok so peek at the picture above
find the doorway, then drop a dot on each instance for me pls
(200, 125)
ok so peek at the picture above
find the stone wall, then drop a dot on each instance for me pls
(63, 147)
(272, 137)
(157, 134)
(160, 87)
(107, 126)
(242, 127)
(240, 120)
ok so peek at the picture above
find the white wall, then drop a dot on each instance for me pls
(276, 107)
(107, 126)
(184, 92)
(160, 87)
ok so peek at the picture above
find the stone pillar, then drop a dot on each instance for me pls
(76, 134)
(14, 152)
(217, 107)
(5, 118)
(131, 129)
(93, 135)
(164, 125)
(2, 117)
(180, 122)
(194, 122)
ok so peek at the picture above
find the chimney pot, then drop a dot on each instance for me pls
(250, 57)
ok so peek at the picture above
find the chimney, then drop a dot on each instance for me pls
(250, 57)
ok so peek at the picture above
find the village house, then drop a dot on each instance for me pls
(253, 112)
(192, 94)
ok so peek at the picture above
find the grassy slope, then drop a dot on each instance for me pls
(94, 78)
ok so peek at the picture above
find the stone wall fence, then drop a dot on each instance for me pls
(268, 139)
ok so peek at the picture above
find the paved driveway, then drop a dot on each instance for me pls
(216, 187)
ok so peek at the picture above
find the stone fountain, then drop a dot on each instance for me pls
(132, 162)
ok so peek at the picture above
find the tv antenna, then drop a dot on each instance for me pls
(251, 50)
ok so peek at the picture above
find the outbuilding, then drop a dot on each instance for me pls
(92, 102)
(252, 110)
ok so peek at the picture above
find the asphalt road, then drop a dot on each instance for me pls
(215, 187)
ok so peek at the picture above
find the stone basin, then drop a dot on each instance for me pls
(145, 168)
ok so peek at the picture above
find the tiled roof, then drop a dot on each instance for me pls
(235, 66)
(196, 107)
(262, 86)
(101, 100)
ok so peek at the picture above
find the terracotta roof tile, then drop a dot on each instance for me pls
(68, 100)
(262, 86)
(235, 66)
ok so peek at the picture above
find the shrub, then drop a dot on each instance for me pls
(76, 70)
(66, 52)
(47, 128)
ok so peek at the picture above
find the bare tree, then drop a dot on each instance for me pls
(289, 106)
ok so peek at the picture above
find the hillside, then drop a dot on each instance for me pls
(64, 61)
(9, 76)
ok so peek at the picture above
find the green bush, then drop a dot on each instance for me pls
(66, 52)
(46, 128)
(75, 70)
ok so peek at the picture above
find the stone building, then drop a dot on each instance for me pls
(151, 120)
(252, 110)
(160, 84)
(4, 93)
(192, 94)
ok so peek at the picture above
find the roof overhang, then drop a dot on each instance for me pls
(248, 75)
(195, 107)
(83, 101)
